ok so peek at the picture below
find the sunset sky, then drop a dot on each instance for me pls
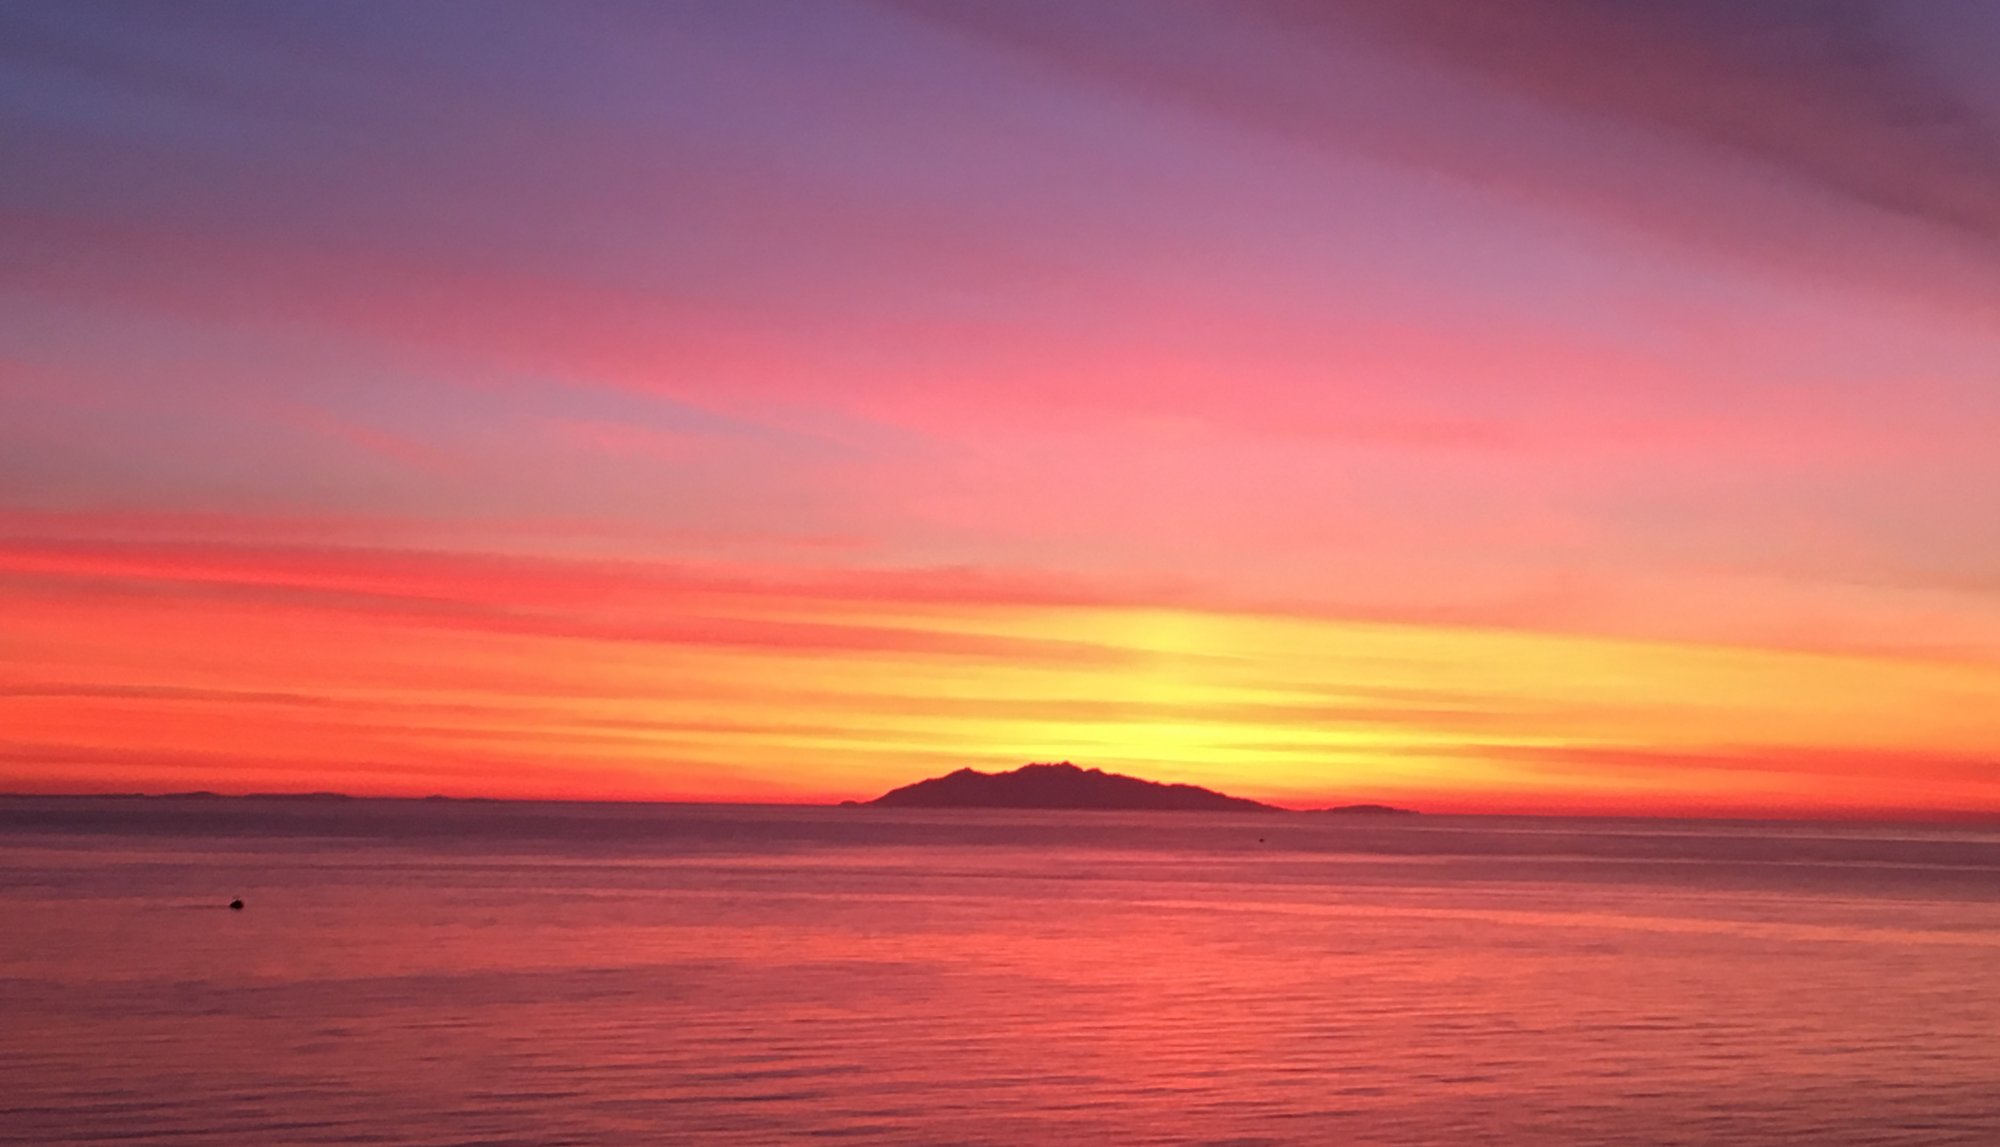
(1479, 405)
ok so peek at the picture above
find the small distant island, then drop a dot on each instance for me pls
(1365, 810)
(1063, 785)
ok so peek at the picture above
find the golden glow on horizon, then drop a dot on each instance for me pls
(244, 674)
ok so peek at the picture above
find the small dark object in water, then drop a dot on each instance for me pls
(236, 906)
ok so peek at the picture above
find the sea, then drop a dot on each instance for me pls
(447, 972)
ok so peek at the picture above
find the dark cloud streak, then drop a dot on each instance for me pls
(1821, 90)
(1812, 137)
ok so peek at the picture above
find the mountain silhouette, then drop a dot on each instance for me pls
(1061, 786)
(1366, 810)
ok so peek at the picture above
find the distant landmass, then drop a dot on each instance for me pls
(1061, 786)
(1365, 810)
(205, 795)
(1065, 786)
(1040, 786)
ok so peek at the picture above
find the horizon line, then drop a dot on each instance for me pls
(1826, 816)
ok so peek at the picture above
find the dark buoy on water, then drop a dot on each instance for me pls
(236, 906)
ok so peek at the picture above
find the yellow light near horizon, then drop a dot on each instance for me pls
(879, 693)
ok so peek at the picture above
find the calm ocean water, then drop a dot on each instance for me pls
(457, 973)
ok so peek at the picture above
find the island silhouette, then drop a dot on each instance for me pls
(1062, 785)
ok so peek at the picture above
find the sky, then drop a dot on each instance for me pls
(1481, 405)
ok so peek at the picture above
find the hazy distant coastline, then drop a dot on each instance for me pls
(1058, 786)
(207, 795)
